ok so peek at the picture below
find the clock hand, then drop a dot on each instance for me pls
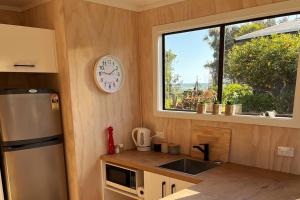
(112, 71)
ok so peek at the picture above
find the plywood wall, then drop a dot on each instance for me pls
(251, 145)
(10, 17)
(93, 31)
(50, 15)
(85, 31)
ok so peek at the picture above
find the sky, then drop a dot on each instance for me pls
(192, 54)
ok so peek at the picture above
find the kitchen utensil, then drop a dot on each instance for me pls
(174, 149)
(164, 147)
(142, 139)
(157, 147)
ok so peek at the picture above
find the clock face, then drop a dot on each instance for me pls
(109, 74)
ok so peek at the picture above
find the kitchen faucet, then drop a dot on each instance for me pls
(204, 150)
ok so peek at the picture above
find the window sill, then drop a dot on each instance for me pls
(244, 119)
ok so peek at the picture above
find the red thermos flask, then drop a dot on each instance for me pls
(111, 144)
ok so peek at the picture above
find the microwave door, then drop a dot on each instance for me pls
(118, 175)
(133, 180)
(120, 178)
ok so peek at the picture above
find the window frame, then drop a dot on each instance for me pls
(164, 63)
(219, 20)
(220, 69)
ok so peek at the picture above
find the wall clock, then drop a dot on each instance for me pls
(109, 74)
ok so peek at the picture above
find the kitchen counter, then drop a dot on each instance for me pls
(225, 182)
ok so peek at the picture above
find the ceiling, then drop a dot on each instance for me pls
(19, 5)
(135, 5)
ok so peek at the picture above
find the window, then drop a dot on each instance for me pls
(252, 64)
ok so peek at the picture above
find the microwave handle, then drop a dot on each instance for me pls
(163, 186)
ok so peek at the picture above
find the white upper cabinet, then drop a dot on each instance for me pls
(26, 49)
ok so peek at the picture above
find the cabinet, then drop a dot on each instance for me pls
(158, 186)
(177, 185)
(26, 49)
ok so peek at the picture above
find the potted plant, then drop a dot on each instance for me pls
(201, 107)
(229, 108)
(231, 105)
(217, 108)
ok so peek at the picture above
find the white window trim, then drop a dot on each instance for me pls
(244, 14)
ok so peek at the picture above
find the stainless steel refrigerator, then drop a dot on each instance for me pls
(33, 163)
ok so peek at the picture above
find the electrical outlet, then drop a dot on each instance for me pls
(286, 151)
(160, 134)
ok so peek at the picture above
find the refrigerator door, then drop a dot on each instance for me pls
(36, 173)
(25, 115)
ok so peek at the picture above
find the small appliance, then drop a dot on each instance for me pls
(122, 178)
(142, 139)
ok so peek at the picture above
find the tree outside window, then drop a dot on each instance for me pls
(260, 66)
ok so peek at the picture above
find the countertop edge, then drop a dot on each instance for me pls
(153, 169)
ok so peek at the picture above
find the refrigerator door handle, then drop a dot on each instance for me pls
(15, 147)
(21, 145)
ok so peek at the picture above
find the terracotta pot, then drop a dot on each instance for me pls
(201, 108)
(229, 110)
(217, 109)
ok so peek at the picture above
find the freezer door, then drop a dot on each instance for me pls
(37, 173)
(29, 116)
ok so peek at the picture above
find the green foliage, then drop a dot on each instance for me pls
(249, 28)
(172, 81)
(269, 66)
(168, 103)
(213, 39)
(252, 26)
(169, 59)
(258, 103)
(233, 92)
(266, 63)
(207, 96)
(229, 103)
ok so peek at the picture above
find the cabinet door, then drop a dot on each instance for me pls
(156, 186)
(26, 49)
(177, 185)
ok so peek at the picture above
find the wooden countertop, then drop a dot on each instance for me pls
(149, 161)
(225, 182)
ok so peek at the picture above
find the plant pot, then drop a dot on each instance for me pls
(201, 108)
(229, 110)
(217, 109)
(238, 109)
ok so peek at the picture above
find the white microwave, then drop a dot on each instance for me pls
(123, 178)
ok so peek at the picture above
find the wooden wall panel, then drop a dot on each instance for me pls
(92, 31)
(219, 140)
(10, 17)
(251, 145)
(50, 15)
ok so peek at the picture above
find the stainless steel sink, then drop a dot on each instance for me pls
(190, 166)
